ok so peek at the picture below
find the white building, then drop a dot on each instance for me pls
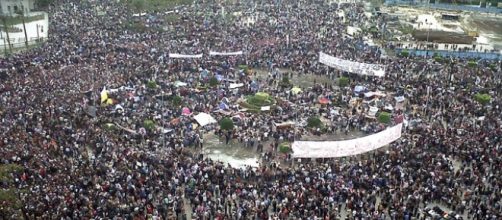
(9, 7)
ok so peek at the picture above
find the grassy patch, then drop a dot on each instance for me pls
(136, 26)
(155, 5)
(172, 17)
(406, 29)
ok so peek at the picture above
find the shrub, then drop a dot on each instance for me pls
(472, 63)
(482, 98)
(226, 124)
(213, 82)
(405, 53)
(259, 99)
(285, 82)
(151, 84)
(284, 148)
(384, 117)
(244, 68)
(493, 67)
(149, 124)
(438, 59)
(343, 81)
(176, 100)
(314, 122)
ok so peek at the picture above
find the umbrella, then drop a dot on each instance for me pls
(296, 90)
(324, 101)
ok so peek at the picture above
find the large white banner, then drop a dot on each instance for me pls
(213, 53)
(352, 67)
(184, 56)
(330, 149)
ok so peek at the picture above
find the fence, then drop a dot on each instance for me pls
(18, 45)
(442, 6)
(449, 53)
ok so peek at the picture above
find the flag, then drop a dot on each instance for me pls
(104, 95)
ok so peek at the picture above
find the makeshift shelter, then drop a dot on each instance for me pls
(204, 119)
(186, 111)
(359, 89)
(235, 85)
(372, 112)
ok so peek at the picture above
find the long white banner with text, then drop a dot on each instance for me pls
(351, 66)
(331, 149)
(184, 56)
(213, 53)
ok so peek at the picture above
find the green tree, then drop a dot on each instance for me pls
(384, 117)
(285, 82)
(213, 82)
(405, 53)
(226, 124)
(343, 81)
(176, 101)
(149, 124)
(482, 98)
(151, 84)
(284, 148)
(314, 122)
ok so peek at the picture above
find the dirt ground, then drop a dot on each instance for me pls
(443, 37)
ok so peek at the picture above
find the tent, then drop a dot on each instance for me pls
(204, 119)
(186, 111)
(180, 84)
(399, 99)
(296, 90)
(359, 89)
(324, 101)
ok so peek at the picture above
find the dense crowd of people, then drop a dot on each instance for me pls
(52, 118)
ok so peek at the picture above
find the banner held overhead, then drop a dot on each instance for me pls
(351, 66)
(331, 149)
(184, 56)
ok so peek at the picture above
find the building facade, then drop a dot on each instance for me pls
(10, 7)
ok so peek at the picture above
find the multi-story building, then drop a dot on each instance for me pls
(10, 7)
